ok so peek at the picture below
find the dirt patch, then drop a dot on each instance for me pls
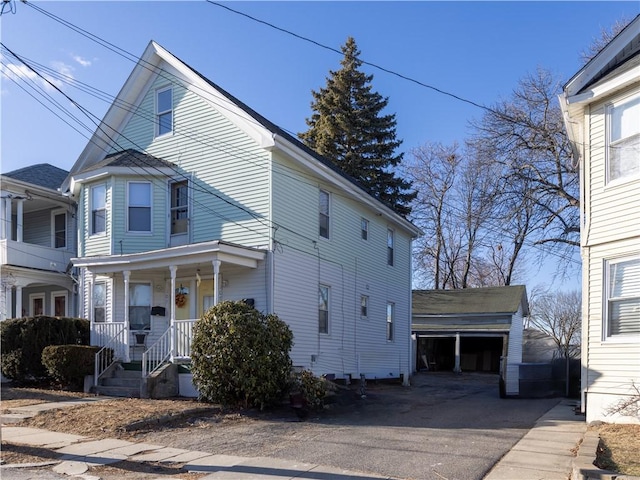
(618, 448)
(12, 397)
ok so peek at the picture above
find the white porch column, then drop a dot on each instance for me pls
(127, 275)
(457, 369)
(20, 220)
(18, 301)
(7, 218)
(8, 289)
(172, 309)
(216, 281)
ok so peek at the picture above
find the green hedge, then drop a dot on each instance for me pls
(22, 341)
(68, 364)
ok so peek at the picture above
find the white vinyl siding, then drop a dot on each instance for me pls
(37, 228)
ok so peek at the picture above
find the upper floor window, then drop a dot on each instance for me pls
(324, 214)
(179, 207)
(139, 208)
(164, 110)
(364, 229)
(323, 309)
(623, 297)
(364, 305)
(59, 227)
(623, 139)
(390, 320)
(390, 244)
(98, 209)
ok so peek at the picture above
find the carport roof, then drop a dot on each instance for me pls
(470, 301)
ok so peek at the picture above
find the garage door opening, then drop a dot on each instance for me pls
(477, 354)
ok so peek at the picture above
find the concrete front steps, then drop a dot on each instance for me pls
(123, 380)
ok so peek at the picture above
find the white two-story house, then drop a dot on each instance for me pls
(37, 242)
(601, 105)
(187, 197)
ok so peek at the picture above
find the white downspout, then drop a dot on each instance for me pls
(216, 276)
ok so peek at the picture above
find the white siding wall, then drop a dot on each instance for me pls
(37, 228)
(351, 267)
(612, 229)
(514, 354)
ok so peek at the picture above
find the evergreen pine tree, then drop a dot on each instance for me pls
(348, 128)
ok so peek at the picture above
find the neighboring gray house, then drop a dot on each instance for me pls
(471, 330)
(37, 242)
(187, 197)
(601, 107)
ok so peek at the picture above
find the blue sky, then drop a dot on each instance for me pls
(475, 50)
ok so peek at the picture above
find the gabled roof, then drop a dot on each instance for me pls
(42, 174)
(264, 132)
(470, 301)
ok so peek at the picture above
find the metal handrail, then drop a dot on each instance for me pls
(102, 359)
(157, 354)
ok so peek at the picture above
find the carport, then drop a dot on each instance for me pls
(470, 330)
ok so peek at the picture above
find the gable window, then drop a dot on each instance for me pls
(324, 214)
(98, 210)
(623, 297)
(139, 198)
(140, 306)
(323, 309)
(623, 139)
(164, 110)
(99, 302)
(59, 227)
(390, 242)
(390, 314)
(364, 229)
(364, 306)
(179, 207)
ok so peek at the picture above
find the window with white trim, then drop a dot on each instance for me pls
(323, 309)
(98, 209)
(623, 138)
(59, 229)
(622, 316)
(179, 207)
(99, 302)
(324, 214)
(36, 304)
(390, 318)
(364, 229)
(390, 245)
(59, 304)
(364, 306)
(139, 206)
(164, 111)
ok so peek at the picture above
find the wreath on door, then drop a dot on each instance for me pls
(181, 300)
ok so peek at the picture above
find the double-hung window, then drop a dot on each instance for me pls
(364, 229)
(164, 110)
(139, 208)
(98, 209)
(364, 306)
(59, 226)
(390, 314)
(622, 316)
(179, 207)
(390, 245)
(324, 214)
(323, 309)
(623, 138)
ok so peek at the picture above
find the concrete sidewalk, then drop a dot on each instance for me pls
(547, 451)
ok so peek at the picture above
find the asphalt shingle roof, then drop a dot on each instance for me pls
(130, 158)
(42, 174)
(469, 301)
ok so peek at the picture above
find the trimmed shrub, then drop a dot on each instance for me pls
(240, 356)
(68, 364)
(311, 389)
(23, 339)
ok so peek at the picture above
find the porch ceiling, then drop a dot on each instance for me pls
(189, 256)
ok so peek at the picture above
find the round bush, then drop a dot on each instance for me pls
(240, 356)
(68, 364)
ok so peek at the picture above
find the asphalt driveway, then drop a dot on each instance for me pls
(444, 426)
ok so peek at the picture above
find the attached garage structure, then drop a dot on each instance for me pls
(471, 330)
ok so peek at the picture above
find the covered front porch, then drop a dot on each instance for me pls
(143, 306)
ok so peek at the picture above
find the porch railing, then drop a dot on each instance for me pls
(174, 343)
(112, 350)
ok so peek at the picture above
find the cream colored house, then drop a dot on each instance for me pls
(601, 106)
